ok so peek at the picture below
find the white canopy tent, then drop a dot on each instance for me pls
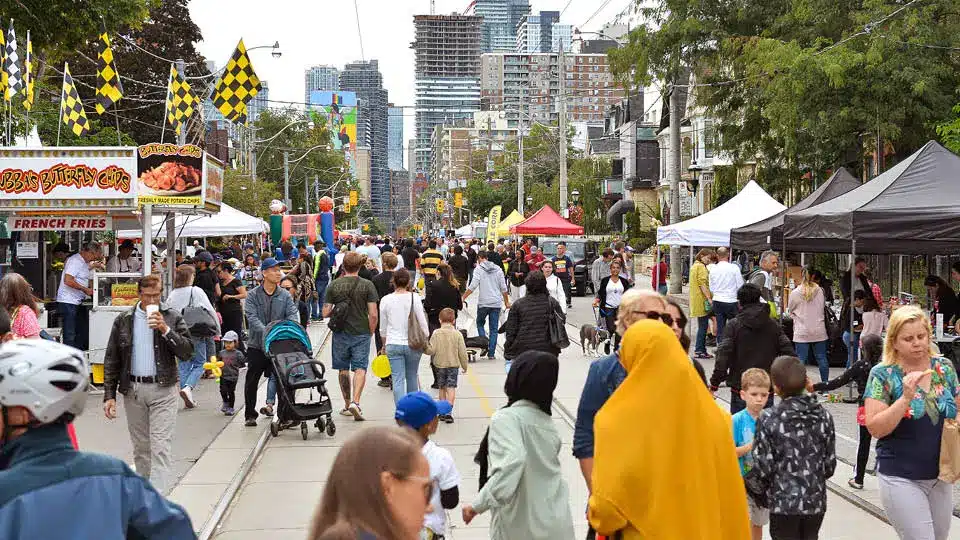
(751, 205)
(228, 222)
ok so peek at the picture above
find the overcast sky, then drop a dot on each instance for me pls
(325, 32)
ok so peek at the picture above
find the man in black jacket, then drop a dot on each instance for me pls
(141, 363)
(751, 340)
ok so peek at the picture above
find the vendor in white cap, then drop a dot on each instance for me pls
(124, 261)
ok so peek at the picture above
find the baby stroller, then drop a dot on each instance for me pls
(288, 348)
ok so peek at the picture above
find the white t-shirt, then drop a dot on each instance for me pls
(443, 472)
(614, 293)
(80, 270)
(372, 252)
(555, 288)
(725, 281)
(394, 317)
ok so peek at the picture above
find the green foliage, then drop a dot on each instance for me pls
(320, 163)
(252, 198)
(950, 132)
(724, 184)
(46, 117)
(785, 96)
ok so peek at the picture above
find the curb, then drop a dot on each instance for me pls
(212, 523)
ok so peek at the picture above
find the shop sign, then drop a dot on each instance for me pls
(60, 223)
(213, 183)
(170, 175)
(28, 250)
(68, 177)
(124, 294)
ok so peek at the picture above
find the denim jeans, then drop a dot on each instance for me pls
(493, 313)
(272, 390)
(852, 348)
(819, 352)
(318, 303)
(724, 311)
(76, 325)
(191, 370)
(701, 343)
(662, 289)
(404, 363)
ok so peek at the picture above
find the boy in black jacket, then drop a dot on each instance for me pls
(794, 454)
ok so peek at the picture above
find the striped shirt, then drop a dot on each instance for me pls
(429, 261)
(142, 364)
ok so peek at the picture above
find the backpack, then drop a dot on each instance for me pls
(338, 317)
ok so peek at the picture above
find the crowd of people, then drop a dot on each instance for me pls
(721, 476)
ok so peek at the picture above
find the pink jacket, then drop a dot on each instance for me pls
(808, 324)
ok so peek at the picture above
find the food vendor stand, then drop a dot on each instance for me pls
(82, 194)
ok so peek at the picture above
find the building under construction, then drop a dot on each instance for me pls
(447, 50)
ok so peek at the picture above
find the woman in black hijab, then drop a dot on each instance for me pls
(521, 450)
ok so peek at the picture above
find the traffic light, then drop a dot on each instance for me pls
(440, 206)
(458, 199)
(346, 208)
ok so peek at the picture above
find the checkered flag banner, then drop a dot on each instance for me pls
(28, 81)
(109, 89)
(71, 108)
(11, 66)
(181, 100)
(237, 85)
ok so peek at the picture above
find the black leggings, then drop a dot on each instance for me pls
(610, 319)
(863, 454)
(795, 527)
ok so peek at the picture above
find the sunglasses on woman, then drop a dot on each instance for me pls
(654, 315)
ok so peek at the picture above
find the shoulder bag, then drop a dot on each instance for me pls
(416, 338)
(556, 322)
(338, 317)
(200, 322)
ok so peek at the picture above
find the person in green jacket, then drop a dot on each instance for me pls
(524, 490)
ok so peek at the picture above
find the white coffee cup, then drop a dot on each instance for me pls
(151, 309)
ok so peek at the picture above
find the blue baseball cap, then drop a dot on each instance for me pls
(269, 262)
(417, 409)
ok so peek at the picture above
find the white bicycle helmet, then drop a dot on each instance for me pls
(46, 377)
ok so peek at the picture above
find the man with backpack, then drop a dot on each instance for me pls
(351, 304)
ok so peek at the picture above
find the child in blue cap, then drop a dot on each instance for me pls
(419, 411)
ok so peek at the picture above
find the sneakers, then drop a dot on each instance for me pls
(229, 411)
(854, 484)
(267, 410)
(187, 394)
(223, 408)
(354, 409)
(384, 382)
(446, 418)
(251, 422)
(703, 356)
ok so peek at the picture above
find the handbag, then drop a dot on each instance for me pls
(416, 338)
(950, 451)
(200, 322)
(556, 322)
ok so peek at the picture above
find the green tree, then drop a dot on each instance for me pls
(252, 198)
(950, 132)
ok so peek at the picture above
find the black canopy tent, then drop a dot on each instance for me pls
(910, 209)
(768, 233)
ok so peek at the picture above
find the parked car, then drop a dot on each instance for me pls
(582, 251)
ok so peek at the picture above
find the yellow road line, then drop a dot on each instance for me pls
(484, 401)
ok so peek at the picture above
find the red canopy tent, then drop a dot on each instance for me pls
(546, 221)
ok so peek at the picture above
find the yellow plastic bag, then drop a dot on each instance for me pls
(381, 366)
(420, 284)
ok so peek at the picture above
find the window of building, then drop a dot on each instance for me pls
(709, 139)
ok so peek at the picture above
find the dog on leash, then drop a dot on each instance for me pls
(591, 336)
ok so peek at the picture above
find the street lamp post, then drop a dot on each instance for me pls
(695, 171)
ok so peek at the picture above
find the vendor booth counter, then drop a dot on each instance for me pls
(79, 194)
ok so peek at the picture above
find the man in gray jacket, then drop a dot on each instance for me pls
(489, 278)
(264, 305)
(601, 268)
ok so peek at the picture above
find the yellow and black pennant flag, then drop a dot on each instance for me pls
(181, 100)
(3, 61)
(237, 85)
(28, 76)
(109, 88)
(71, 109)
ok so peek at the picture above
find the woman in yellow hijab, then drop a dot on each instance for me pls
(665, 466)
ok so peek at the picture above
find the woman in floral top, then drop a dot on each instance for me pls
(908, 396)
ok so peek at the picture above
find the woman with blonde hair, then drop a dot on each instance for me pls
(805, 307)
(379, 488)
(908, 397)
(644, 487)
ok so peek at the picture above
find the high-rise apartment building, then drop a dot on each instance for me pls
(259, 103)
(320, 78)
(400, 208)
(365, 79)
(500, 20)
(394, 138)
(589, 86)
(543, 33)
(447, 72)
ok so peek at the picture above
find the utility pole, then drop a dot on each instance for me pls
(520, 193)
(673, 172)
(316, 190)
(563, 137)
(170, 223)
(306, 194)
(286, 180)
